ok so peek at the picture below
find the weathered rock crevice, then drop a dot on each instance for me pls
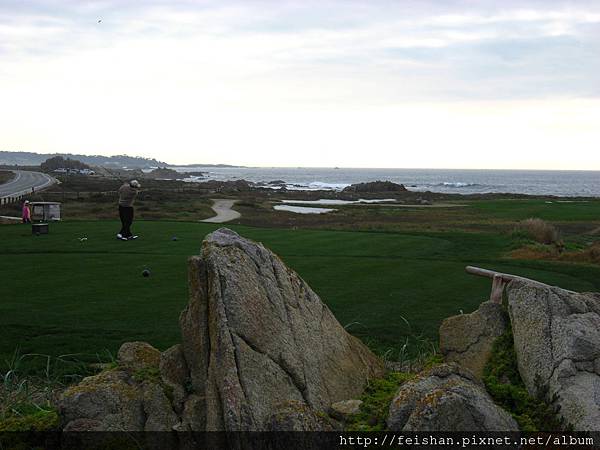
(557, 342)
(467, 339)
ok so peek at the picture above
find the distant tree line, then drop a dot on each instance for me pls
(35, 159)
(58, 162)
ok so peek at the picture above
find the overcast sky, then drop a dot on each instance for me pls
(372, 83)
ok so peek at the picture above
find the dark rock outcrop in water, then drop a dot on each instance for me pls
(227, 186)
(260, 351)
(375, 186)
(557, 342)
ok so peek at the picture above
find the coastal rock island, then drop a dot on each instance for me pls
(375, 186)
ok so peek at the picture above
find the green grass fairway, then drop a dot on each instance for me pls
(555, 210)
(60, 296)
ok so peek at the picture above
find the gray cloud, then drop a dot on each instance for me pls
(418, 49)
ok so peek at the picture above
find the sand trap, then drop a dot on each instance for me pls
(302, 209)
(324, 201)
(224, 211)
(435, 205)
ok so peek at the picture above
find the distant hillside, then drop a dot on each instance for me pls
(35, 159)
(205, 165)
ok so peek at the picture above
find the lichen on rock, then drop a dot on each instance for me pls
(467, 339)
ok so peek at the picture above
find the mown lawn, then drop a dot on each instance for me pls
(60, 295)
(555, 210)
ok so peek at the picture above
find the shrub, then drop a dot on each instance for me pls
(539, 230)
(590, 254)
(376, 402)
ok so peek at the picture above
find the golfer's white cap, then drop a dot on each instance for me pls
(135, 184)
(27, 202)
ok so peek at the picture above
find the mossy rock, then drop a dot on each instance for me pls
(503, 382)
(138, 355)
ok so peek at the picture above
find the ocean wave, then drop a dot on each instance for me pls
(458, 184)
(316, 186)
(328, 186)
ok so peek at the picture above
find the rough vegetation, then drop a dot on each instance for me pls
(376, 402)
(504, 383)
(28, 401)
(539, 230)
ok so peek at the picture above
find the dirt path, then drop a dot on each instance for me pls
(224, 211)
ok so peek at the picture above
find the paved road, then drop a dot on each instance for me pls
(224, 211)
(24, 181)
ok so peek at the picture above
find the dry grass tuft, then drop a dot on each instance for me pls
(540, 231)
(589, 255)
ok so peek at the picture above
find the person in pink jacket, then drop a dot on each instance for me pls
(26, 213)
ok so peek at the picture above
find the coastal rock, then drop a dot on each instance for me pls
(157, 409)
(467, 339)
(297, 416)
(557, 342)
(447, 398)
(109, 401)
(247, 332)
(193, 417)
(375, 186)
(138, 355)
(163, 173)
(345, 409)
(175, 374)
(129, 397)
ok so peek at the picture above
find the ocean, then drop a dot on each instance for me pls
(566, 183)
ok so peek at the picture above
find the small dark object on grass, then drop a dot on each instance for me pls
(146, 273)
(174, 238)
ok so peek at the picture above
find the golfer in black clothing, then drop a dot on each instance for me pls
(127, 194)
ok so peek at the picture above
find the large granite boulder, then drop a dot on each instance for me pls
(467, 339)
(447, 398)
(256, 337)
(557, 342)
